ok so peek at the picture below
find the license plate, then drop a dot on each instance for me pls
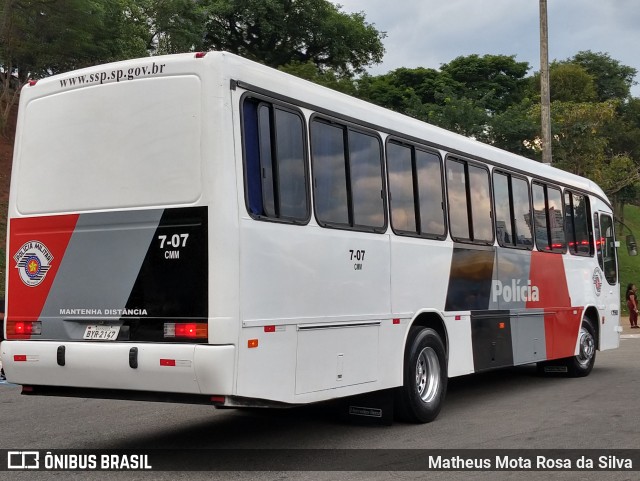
(101, 333)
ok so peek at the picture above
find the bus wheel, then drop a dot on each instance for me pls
(582, 364)
(425, 377)
(579, 365)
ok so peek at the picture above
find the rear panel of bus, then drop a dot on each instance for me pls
(108, 246)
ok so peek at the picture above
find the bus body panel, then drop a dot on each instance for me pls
(160, 367)
(127, 269)
(295, 313)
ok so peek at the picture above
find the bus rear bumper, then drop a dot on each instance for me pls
(169, 368)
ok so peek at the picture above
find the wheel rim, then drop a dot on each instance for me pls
(587, 347)
(428, 375)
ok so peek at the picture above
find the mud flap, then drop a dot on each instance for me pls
(371, 408)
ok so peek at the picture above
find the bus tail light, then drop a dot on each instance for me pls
(189, 330)
(23, 329)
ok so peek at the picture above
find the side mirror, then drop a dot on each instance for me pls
(632, 247)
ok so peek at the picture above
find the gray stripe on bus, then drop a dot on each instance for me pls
(99, 268)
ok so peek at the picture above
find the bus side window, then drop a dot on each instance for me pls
(469, 197)
(608, 248)
(577, 224)
(415, 190)
(596, 228)
(512, 208)
(347, 177)
(276, 185)
(548, 218)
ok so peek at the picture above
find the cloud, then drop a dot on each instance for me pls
(428, 33)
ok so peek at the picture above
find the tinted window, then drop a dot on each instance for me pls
(555, 219)
(275, 162)
(291, 165)
(501, 196)
(429, 173)
(469, 202)
(608, 248)
(415, 186)
(366, 180)
(480, 204)
(347, 176)
(457, 193)
(521, 212)
(540, 216)
(549, 221)
(513, 212)
(577, 224)
(329, 173)
(399, 166)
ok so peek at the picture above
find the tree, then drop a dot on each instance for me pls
(174, 26)
(496, 81)
(516, 129)
(463, 96)
(328, 78)
(281, 32)
(570, 83)
(612, 79)
(44, 37)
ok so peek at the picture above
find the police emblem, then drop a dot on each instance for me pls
(597, 281)
(33, 261)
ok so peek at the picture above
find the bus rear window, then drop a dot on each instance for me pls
(111, 146)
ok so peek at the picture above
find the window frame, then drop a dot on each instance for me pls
(510, 176)
(413, 146)
(261, 100)
(546, 186)
(570, 193)
(467, 163)
(349, 127)
(616, 266)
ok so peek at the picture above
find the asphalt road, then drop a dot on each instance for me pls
(507, 409)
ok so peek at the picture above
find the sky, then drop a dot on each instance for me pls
(428, 33)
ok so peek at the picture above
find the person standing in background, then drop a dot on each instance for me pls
(632, 304)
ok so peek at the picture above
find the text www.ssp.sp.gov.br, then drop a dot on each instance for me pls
(116, 75)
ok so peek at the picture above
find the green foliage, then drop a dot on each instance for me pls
(44, 37)
(629, 266)
(463, 96)
(612, 79)
(569, 82)
(577, 143)
(494, 81)
(328, 78)
(516, 129)
(281, 32)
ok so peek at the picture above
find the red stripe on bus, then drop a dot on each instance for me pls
(25, 302)
(561, 325)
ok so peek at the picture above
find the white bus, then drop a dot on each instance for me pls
(204, 229)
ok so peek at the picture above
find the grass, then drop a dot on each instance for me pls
(629, 267)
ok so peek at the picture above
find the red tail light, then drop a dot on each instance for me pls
(23, 329)
(190, 330)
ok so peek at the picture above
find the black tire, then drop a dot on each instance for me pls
(581, 364)
(420, 398)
